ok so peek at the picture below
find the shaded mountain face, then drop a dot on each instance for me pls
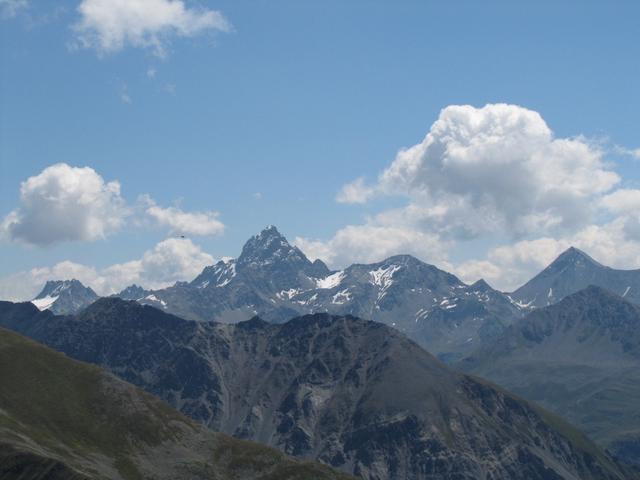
(581, 359)
(62, 419)
(351, 393)
(572, 271)
(64, 297)
(275, 280)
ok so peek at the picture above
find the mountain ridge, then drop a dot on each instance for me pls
(579, 358)
(62, 419)
(324, 387)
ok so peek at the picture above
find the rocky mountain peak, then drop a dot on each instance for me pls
(64, 296)
(575, 257)
(269, 246)
(132, 292)
(56, 287)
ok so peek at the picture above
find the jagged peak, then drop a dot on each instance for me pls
(270, 246)
(56, 287)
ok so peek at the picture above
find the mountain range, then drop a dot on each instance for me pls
(351, 393)
(275, 280)
(61, 419)
(581, 359)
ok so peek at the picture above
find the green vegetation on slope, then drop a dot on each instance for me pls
(66, 418)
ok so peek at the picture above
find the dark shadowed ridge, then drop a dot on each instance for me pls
(351, 393)
(63, 419)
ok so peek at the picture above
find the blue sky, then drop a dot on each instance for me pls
(266, 118)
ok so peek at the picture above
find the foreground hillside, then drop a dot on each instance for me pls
(351, 393)
(581, 359)
(62, 419)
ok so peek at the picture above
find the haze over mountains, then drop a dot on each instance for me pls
(581, 359)
(572, 271)
(352, 393)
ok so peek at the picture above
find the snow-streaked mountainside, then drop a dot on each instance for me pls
(275, 280)
(64, 297)
(351, 393)
(572, 271)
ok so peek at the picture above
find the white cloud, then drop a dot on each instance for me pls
(623, 201)
(184, 223)
(65, 203)
(371, 243)
(10, 8)
(124, 95)
(495, 172)
(110, 25)
(509, 266)
(355, 192)
(169, 261)
(499, 162)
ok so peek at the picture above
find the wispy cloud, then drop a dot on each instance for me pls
(108, 26)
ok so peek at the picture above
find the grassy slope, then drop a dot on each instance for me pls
(62, 415)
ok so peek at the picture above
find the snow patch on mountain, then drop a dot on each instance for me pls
(45, 302)
(331, 281)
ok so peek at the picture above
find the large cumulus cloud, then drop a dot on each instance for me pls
(64, 203)
(496, 184)
(500, 163)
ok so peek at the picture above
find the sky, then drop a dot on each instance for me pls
(141, 140)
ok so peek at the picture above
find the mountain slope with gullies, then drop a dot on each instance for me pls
(61, 419)
(579, 358)
(351, 393)
(572, 271)
(276, 281)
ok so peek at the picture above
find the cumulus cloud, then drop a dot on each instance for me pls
(110, 25)
(509, 266)
(622, 201)
(184, 223)
(10, 8)
(500, 162)
(355, 192)
(65, 203)
(371, 243)
(169, 261)
(485, 175)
